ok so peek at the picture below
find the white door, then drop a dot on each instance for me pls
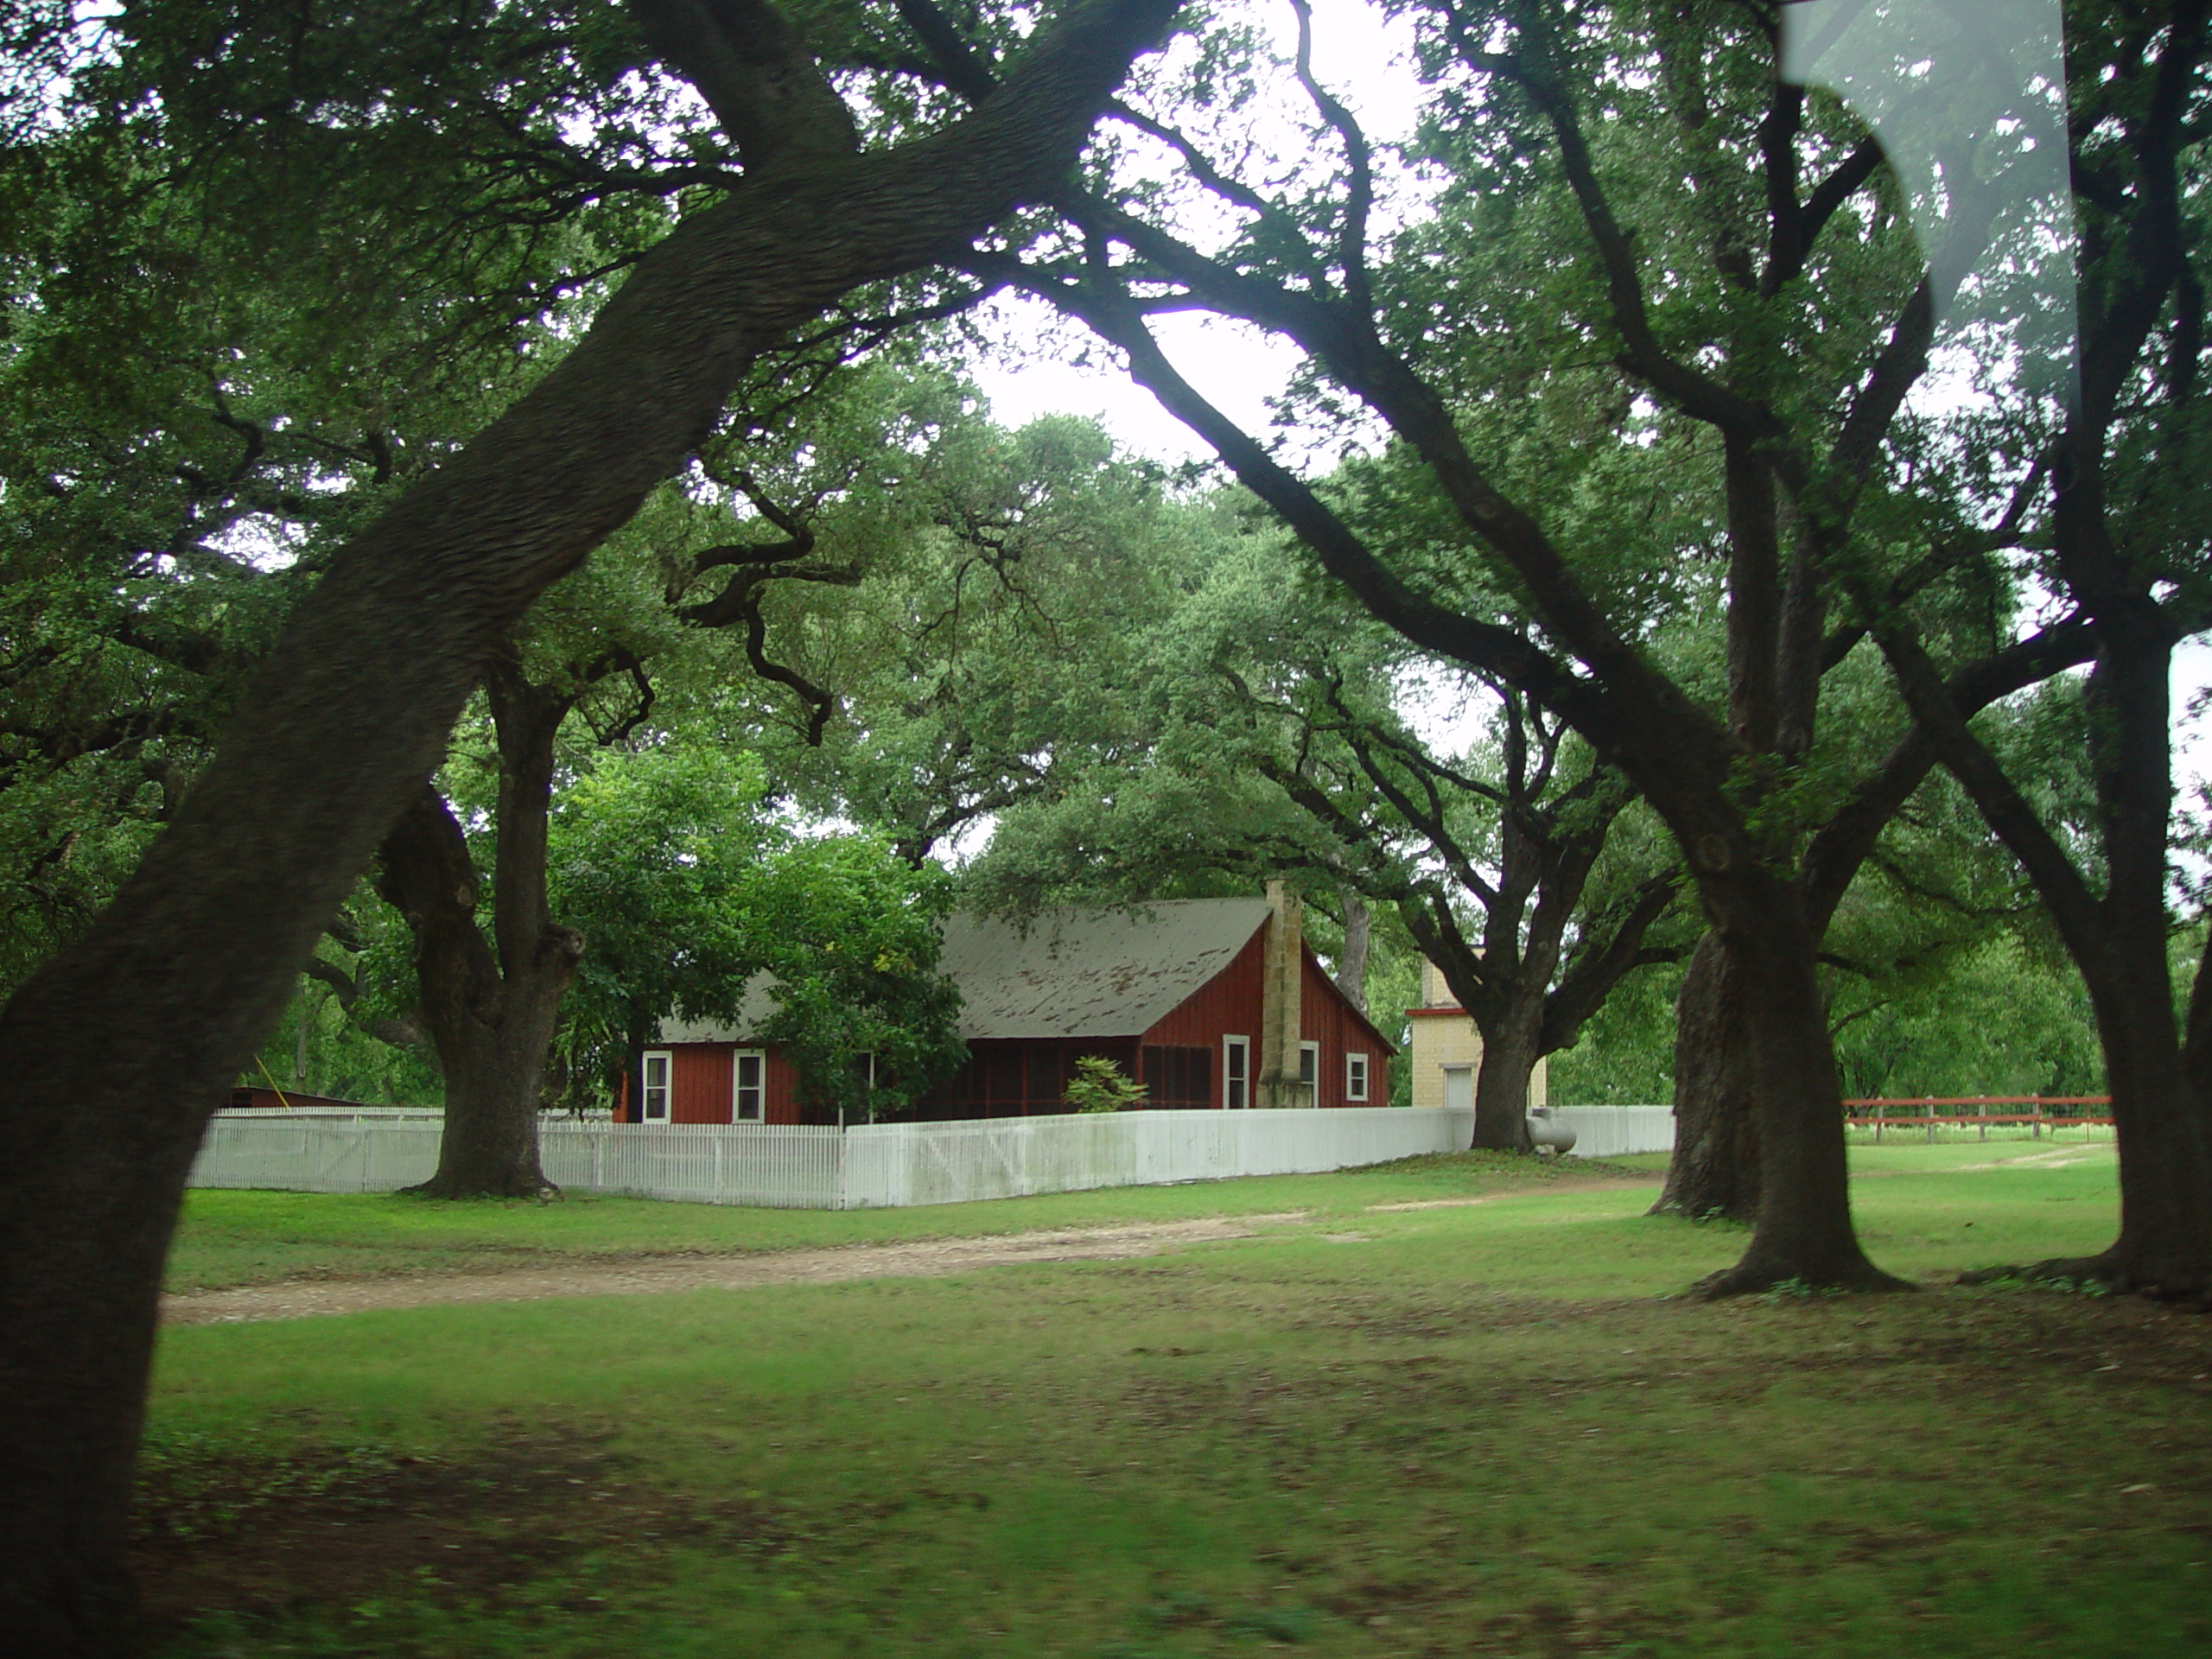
(1460, 1088)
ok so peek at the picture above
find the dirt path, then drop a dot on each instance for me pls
(923, 1259)
(1513, 1192)
(2055, 1158)
(647, 1276)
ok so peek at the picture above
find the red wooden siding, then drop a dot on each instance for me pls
(700, 1078)
(1227, 1004)
(698, 1082)
(1177, 1075)
(1328, 1019)
(1018, 1078)
(1026, 1078)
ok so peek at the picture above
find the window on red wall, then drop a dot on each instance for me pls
(1355, 1076)
(653, 1107)
(1176, 1075)
(749, 1091)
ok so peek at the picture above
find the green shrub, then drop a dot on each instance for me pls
(1099, 1086)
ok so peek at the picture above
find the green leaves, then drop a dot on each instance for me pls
(1099, 1085)
(651, 856)
(850, 934)
(690, 892)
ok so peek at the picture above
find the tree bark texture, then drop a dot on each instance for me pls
(480, 1023)
(1802, 1229)
(1511, 1047)
(1714, 1171)
(1352, 964)
(114, 1054)
(2165, 1245)
(490, 1015)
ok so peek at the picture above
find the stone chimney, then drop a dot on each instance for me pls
(1435, 993)
(1282, 1002)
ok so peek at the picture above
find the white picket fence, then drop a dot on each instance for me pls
(880, 1166)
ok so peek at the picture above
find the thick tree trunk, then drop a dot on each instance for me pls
(1714, 1172)
(2118, 938)
(494, 1075)
(1802, 1231)
(491, 1020)
(2159, 1117)
(1352, 964)
(1511, 1052)
(113, 1056)
(2120, 945)
(488, 1029)
(2165, 1170)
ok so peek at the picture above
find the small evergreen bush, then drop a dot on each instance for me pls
(1099, 1086)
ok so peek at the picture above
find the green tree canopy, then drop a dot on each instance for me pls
(692, 891)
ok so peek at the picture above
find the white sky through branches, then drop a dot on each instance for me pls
(1365, 60)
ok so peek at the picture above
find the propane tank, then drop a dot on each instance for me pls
(1547, 1133)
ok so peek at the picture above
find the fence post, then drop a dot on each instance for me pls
(1880, 1111)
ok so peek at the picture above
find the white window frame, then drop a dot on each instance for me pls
(1309, 1072)
(1235, 1077)
(738, 1087)
(666, 1090)
(1358, 1067)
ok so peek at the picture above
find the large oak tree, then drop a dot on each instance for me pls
(116, 1051)
(2123, 455)
(1649, 241)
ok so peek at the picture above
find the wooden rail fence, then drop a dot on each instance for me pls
(1924, 1117)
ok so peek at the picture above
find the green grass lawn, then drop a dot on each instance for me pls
(230, 1239)
(1458, 1429)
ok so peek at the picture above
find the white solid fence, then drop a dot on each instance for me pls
(884, 1164)
(866, 1166)
(1616, 1131)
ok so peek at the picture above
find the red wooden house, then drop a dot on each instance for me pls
(1207, 1003)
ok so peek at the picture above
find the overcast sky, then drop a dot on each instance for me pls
(1365, 61)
